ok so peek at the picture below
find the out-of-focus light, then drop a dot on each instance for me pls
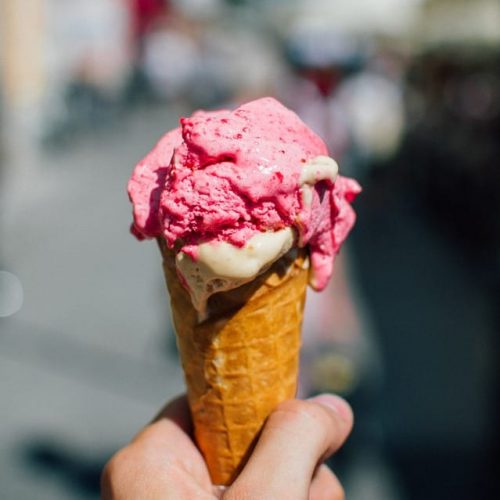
(11, 294)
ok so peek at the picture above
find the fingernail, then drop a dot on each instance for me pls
(336, 403)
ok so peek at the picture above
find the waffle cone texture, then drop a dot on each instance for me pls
(242, 361)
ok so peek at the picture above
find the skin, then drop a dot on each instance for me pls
(162, 461)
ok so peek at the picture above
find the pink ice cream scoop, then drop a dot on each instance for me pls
(226, 176)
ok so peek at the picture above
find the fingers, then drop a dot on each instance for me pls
(296, 437)
(168, 435)
(160, 462)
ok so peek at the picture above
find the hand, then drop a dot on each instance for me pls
(162, 461)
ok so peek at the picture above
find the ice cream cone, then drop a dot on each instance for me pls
(241, 361)
(234, 192)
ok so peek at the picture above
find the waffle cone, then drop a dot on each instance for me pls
(242, 361)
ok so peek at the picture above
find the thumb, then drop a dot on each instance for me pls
(296, 437)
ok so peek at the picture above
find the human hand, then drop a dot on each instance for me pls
(162, 461)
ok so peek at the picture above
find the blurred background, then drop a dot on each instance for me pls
(407, 95)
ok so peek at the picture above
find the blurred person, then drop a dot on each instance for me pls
(179, 59)
(170, 58)
(320, 57)
(144, 14)
(239, 59)
(242, 61)
(373, 104)
(87, 64)
(287, 461)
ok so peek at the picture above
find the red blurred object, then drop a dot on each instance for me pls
(325, 79)
(144, 13)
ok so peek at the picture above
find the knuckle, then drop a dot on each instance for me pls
(302, 420)
(309, 422)
(301, 413)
